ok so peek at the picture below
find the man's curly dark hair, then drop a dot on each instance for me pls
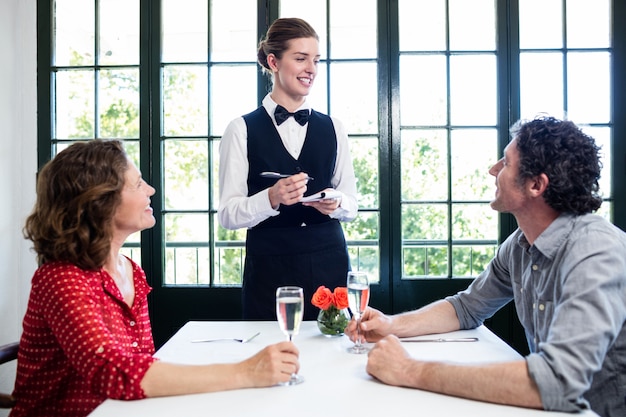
(569, 158)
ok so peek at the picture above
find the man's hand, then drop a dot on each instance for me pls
(389, 362)
(374, 326)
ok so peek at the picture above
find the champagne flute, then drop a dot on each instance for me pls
(289, 311)
(358, 298)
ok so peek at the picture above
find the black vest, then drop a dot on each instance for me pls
(266, 152)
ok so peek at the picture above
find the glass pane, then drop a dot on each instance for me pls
(215, 166)
(422, 25)
(422, 262)
(588, 24)
(185, 175)
(350, 20)
(543, 29)
(423, 90)
(230, 254)
(357, 108)
(541, 84)
(364, 227)
(469, 261)
(184, 30)
(474, 151)
(602, 135)
(186, 266)
(424, 165)
(589, 87)
(227, 237)
(472, 25)
(132, 150)
(318, 97)
(118, 103)
(233, 39)
(605, 210)
(229, 266)
(365, 258)
(424, 222)
(185, 97)
(186, 252)
(186, 229)
(474, 222)
(119, 32)
(133, 253)
(74, 32)
(473, 90)
(75, 109)
(233, 94)
(364, 152)
(314, 12)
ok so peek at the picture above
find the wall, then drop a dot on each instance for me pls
(18, 164)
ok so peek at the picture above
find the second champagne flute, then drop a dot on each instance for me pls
(358, 298)
(289, 311)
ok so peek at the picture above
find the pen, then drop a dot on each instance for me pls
(269, 174)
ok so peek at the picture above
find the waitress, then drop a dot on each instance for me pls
(289, 242)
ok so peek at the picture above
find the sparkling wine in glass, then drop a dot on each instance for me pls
(358, 298)
(289, 311)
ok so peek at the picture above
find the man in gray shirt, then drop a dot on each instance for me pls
(565, 269)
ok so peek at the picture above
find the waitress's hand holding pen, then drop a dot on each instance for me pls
(288, 190)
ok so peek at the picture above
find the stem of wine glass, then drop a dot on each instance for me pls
(357, 343)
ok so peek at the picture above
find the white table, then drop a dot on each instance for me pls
(335, 381)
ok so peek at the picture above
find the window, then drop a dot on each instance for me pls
(448, 135)
(427, 91)
(566, 71)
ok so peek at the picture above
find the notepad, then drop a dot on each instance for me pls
(322, 195)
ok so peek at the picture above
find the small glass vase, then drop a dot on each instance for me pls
(332, 322)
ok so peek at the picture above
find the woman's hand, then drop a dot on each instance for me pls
(288, 191)
(274, 364)
(326, 206)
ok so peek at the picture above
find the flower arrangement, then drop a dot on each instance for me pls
(333, 317)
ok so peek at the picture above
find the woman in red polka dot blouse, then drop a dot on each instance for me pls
(86, 333)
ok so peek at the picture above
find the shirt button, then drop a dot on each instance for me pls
(132, 323)
(542, 307)
(135, 344)
(534, 306)
(535, 267)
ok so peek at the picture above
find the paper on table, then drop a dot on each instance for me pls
(323, 195)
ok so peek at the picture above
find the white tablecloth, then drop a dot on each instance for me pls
(336, 383)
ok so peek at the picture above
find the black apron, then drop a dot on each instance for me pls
(307, 257)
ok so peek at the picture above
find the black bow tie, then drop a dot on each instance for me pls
(281, 114)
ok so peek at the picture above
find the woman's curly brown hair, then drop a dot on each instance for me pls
(569, 158)
(78, 192)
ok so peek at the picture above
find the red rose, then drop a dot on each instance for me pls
(322, 298)
(341, 297)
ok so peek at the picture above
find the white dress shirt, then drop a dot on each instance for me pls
(237, 210)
